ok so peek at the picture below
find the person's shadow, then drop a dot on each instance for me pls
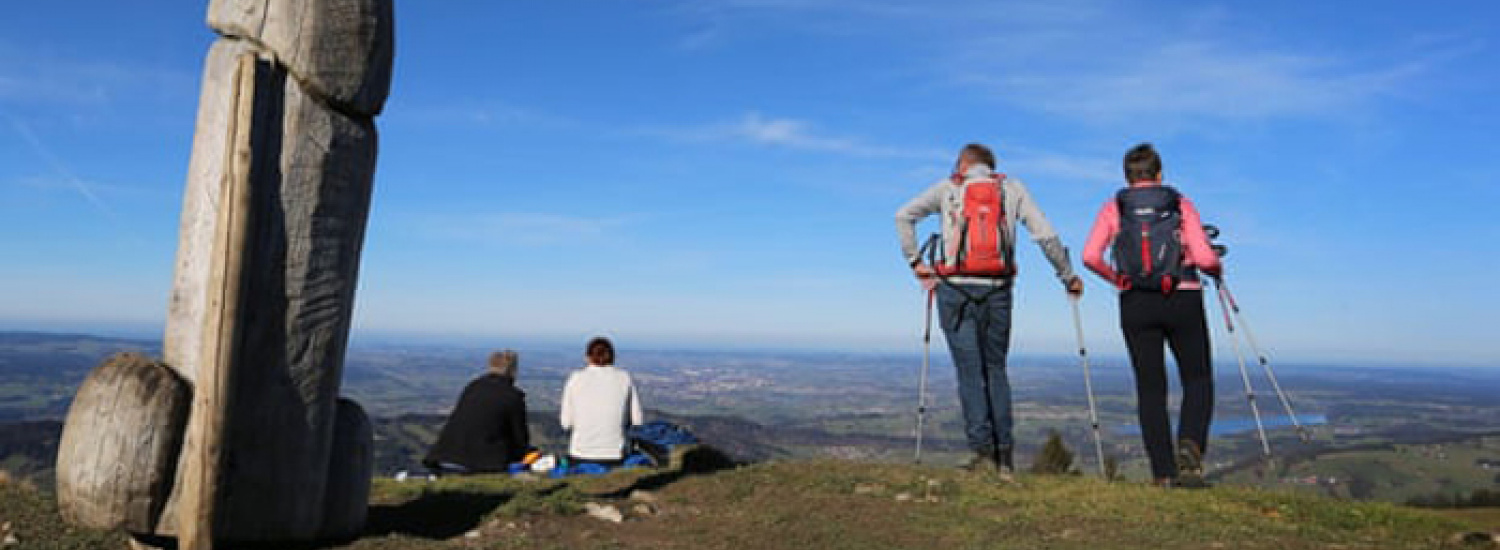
(686, 461)
(436, 515)
(445, 514)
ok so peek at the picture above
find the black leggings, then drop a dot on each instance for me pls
(1149, 319)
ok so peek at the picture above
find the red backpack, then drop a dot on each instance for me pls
(977, 247)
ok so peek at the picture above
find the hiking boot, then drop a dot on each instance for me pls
(1190, 465)
(1007, 466)
(1005, 474)
(1007, 460)
(979, 462)
(985, 462)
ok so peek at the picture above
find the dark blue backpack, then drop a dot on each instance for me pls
(658, 438)
(1148, 249)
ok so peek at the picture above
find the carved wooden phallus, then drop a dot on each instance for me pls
(273, 221)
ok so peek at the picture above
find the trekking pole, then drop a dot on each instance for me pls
(922, 385)
(1260, 428)
(1088, 386)
(1255, 348)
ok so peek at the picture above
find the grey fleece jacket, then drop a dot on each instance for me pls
(946, 198)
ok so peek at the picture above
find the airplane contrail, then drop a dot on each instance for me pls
(72, 180)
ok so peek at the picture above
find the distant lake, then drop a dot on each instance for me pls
(1231, 426)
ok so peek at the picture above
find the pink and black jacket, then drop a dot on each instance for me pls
(1197, 250)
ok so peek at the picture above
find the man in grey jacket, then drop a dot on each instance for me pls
(975, 310)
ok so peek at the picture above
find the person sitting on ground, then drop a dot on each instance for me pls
(487, 430)
(599, 403)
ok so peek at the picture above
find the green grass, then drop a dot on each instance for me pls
(32, 518)
(837, 505)
(1396, 475)
(829, 504)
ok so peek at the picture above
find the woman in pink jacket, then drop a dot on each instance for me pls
(1158, 248)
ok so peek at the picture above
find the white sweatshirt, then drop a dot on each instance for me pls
(598, 404)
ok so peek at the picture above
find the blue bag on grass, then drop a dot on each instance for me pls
(658, 438)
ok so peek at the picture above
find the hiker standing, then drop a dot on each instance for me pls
(599, 402)
(973, 278)
(487, 429)
(1159, 247)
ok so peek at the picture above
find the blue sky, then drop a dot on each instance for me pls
(714, 173)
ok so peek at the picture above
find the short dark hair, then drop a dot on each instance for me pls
(1142, 163)
(978, 153)
(504, 362)
(600, 351)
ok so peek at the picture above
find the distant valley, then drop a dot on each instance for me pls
(1390, 433)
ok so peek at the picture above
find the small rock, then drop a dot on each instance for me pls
(473, 534)
(640, 495)
(10, 540)
(526, 477)
(903, 497)
(868, 489)
(644, 509)
(934, 483)
(1474, 537)
(604, 512)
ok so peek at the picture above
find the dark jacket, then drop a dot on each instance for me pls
(487, 430)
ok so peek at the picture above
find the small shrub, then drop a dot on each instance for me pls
(1055, 457)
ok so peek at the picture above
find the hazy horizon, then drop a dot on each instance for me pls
(372, 340)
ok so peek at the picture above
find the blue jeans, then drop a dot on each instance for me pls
(976, 323)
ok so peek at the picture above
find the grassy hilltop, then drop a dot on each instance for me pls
(839, 504)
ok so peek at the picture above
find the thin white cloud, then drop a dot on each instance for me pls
(32, 77)
(1029, 162)
(68, 179)
(1195, 79)
(1101, 61)
(57, 183)
(474, 112)
(701, 39)
(789, 133)
(527, 229)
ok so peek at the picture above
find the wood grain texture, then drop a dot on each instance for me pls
(311, 208)
(118, 453)
(341, 50)
(183, 341)
(203, 452)
(311, 200)
(293, 462)
(350, 466)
